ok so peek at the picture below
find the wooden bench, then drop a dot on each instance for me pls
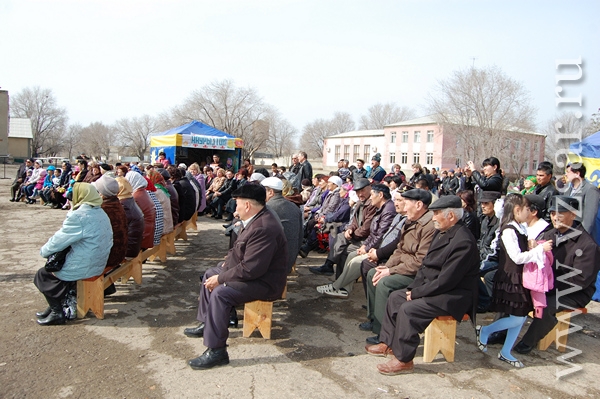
(259, 315)
(90, 292)
(560, 331)
(440, 336)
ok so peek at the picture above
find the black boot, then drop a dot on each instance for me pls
(210, 358)
(304, 250)
(56, 316)
(44, 314)
(195, 332)
(326, 269)
(233, 318)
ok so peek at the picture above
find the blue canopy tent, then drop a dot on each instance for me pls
(587, 151)
(196, 142)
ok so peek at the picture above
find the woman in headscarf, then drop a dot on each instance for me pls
(94, 172)
(142, 198)
(529, 185)
(159, 221)
(135, 218)
(174, 197)
(88, 232)
(163, 195)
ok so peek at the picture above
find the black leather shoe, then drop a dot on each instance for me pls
(497, 338)
(195, 332)
(55, 318)
(523, 348)
(373, 340)
(233, 318)
(304, 251)
(210, 358)
(366, 326)
(323, 270)
(44, 314)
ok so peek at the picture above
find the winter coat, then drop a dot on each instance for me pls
(187, 199)
(135, 226)
(88, 231)
(118, 221)
(143, 200)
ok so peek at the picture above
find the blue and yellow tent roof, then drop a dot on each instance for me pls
(195, 134)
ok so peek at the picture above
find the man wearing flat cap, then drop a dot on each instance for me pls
(575, 267)
(486, 244)
(445, 285)
(254, 269)
(399, 270)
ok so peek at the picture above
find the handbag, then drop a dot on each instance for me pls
(56, 261)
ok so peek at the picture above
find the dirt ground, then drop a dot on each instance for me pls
(316, 350)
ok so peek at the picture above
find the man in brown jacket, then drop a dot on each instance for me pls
(400, 269)
(354, 235)
(254, 269)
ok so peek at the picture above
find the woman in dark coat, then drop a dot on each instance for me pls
(135, 218)
(174, 197)
(186, 194)
(491, 180)
(108, 189)
(469, 215)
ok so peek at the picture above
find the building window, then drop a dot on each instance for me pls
(416, 158)
(405, 137)
(356, 152)
(527, 146)
(429, 158)
(417, 137)
(404, 159)
(346, 152)
(536, 147)
(393, 137)
(517, 145)
(337, 153)
(534, 165)
(430, 136)
(367, 153)
(392, 157)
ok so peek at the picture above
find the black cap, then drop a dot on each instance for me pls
(447, 201)
(361, 183)
(251, 191)
(418, 194)
(488, 196)
(105, 166)
(564, 203)
(538, 201)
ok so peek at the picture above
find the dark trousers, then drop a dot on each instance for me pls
(51, 286)
(214, 309)
(539, 328)
(14, 189)
(403, 322)
(365, 267)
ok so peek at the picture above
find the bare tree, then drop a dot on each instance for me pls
(135, 133)
(72, 139)
(282, 135)
(561, 131)
(380, 115)
(97, 139)
(481, 107)
(594, 124)
(236, 111)
(314, 133)
(48, 120)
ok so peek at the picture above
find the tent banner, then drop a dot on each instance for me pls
(208, 142)
(165, 141)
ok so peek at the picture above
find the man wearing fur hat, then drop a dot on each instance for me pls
(377, 172)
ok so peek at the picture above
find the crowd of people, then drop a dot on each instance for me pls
(413, 241)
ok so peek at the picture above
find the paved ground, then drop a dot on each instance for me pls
(317, 350)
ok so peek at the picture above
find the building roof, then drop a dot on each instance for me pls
(424, 120)
(431, 119)
(20, 128)
(357, 133)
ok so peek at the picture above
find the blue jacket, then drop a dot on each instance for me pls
(89, 233)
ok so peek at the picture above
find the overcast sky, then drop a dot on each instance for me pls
(105, 60)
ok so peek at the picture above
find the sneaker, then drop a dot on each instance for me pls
(325, 288)
(341, 293)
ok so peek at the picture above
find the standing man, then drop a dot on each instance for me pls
(305, 171)
(586, 193)
(295, 167)
(252, 271)
(289, 215)
(360, 172)
(545, 187)
(21, 177)
(216, 163)
(576, 265)
(377, 172)
(446, 285)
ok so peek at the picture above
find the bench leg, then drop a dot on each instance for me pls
(258, 314)
(161, 254)
(90, 296)
(558, 334)
(171, 243)
(192, 223)
(440, 336)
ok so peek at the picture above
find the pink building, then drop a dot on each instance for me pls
(426, 142)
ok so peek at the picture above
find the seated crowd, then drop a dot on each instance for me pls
(410, 240)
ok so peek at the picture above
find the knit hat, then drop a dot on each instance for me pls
(107, 186)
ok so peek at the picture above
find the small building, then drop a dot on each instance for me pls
(20, 137)
(359, 144)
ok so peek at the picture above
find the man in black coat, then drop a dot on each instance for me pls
(446, 285)
(252, 271)
(21, 177)
(545, 187)
(575, 267)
